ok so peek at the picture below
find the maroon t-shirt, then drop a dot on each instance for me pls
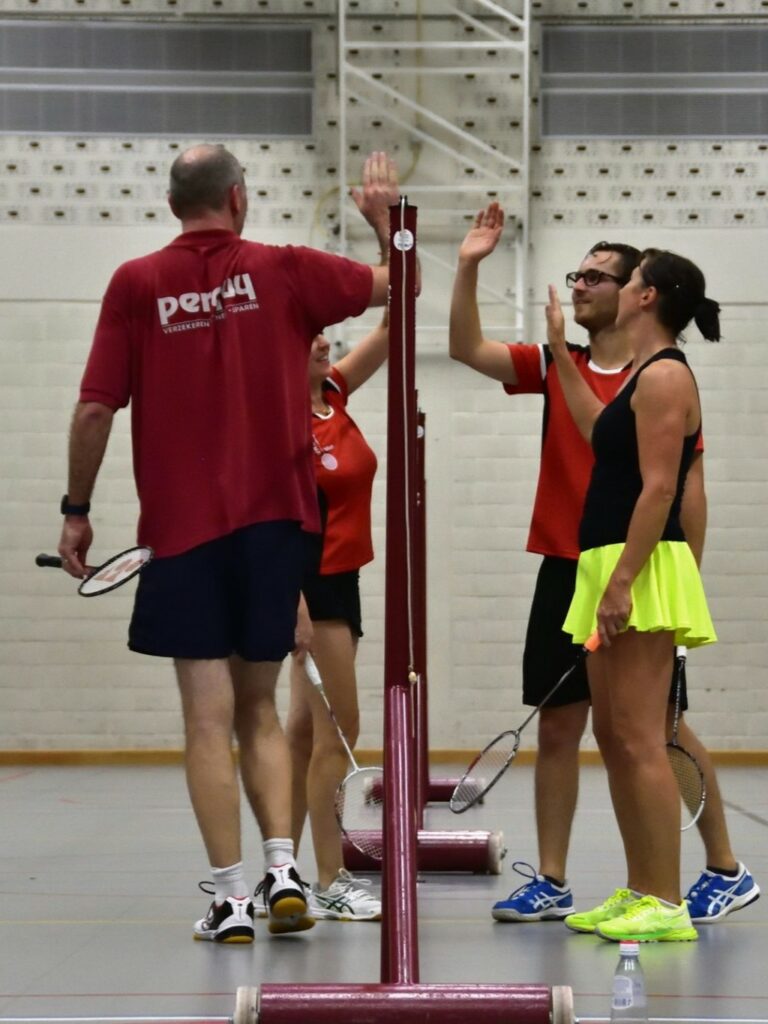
(208, 339)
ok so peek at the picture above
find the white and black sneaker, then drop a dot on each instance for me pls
(230, 921)
(346, 899)
(285, 900)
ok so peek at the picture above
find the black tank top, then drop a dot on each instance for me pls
(616, 482)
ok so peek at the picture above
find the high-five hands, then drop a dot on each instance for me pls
(483, 237)
(380, 191)
(555, 320)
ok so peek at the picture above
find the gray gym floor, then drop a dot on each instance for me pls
(99, 870)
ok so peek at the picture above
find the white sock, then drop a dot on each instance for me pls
(229, 882)
(278, 852)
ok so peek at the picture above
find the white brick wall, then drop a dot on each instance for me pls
(67, 680)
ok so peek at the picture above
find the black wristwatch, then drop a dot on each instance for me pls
(74, 510)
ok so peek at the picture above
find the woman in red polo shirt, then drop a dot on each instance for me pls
(345, 467)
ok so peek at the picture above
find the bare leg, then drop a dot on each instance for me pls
(629, 682)
(556, 783)
(265, 764)
(207, 699)
(300, 735)
(334, 650)
(711, 825)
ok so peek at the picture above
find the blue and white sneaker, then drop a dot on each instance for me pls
(713, 897)
(536, 900)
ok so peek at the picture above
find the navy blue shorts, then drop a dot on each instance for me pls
(549, 652)
(237, 594)
(335, 596)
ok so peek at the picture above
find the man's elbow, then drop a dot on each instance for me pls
(93, 414)
(456, 352)
(379, 287)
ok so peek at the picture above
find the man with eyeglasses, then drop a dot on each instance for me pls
(564, 472)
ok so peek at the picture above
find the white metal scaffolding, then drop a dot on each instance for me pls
(405, 69)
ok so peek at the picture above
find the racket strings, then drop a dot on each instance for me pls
(484, 772)
(359, 801)
(689, 779)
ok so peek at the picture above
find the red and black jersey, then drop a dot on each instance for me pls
(566, 458)
(209, 341)
(345, 466)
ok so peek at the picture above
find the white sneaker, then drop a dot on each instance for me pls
(230, 921)
(345, 899)
(285, 900)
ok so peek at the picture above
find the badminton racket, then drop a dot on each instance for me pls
(113, 573)
(360, 793)
(685, 767)
(491, 763)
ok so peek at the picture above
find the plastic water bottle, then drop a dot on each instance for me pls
(629, 1002)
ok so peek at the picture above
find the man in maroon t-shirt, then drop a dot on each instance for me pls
(564, 472)
(209, 340)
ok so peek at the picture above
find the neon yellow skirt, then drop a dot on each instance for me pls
(667, 594)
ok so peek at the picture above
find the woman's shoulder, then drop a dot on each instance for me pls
(664, 376)
(335, 389)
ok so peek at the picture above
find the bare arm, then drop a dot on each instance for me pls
(659, 404)
(366, 357)
(380, 191)
(467, 343)
(693, 511)
(583, 404)
(88, 436)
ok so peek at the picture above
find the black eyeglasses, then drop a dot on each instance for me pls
(591, 277)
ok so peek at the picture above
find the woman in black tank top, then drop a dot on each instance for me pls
(638, 582)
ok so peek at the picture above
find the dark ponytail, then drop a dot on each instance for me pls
(681, 288)
(707, 318)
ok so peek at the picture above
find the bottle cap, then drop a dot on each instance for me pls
(629, 948)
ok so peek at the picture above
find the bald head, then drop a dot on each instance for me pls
(201, 180)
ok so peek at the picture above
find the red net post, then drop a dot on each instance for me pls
(399, 941)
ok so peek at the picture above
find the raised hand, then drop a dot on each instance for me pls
(380, 191)
(555, 320)
(483, 237)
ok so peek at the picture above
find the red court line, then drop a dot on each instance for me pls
(16, 775)
(111, 995)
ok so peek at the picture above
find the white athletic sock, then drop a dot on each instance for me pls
(229, 882)
(278, 852)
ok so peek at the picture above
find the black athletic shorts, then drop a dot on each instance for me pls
(335, 596)
(237, 594)
(549, 651)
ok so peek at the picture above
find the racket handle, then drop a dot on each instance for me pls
(312, 673)
(48, 561)
(592, 642)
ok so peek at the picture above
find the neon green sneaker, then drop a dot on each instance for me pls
(612, 907)
(650, 920)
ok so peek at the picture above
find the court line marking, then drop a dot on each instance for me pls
(747, 814)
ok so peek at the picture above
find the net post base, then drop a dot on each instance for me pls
(477, 852)
(404, 1004)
